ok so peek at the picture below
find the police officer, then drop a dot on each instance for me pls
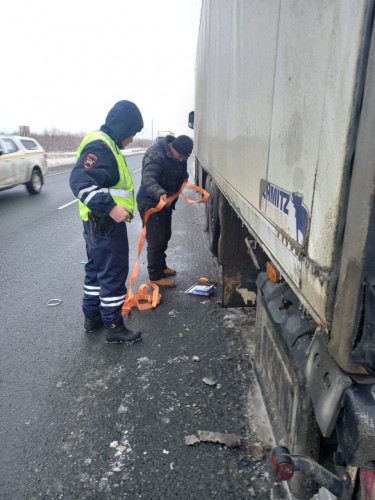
(164, 169)
(103, 185)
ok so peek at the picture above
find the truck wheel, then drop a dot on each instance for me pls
(213, 218)
(34, 186)
(196, 173)
(207, 204)
(231, 243)
(224, 246)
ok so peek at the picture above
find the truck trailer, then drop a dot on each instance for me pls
(162, 134)
(284, 125)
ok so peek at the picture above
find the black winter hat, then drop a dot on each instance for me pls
(183, 145)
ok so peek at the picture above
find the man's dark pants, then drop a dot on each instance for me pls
(106, 271)
(158, 234)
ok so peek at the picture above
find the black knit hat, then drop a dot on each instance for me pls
(183, 145)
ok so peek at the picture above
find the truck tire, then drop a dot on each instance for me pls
(213, 223)
(231, 242)
(196, 172)
(207, 204)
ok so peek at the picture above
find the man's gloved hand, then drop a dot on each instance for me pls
(119, 214)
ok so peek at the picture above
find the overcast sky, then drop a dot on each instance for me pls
(64, 64)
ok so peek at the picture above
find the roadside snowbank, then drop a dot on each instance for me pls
(68, 158)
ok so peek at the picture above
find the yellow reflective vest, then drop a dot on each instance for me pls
(123, 191)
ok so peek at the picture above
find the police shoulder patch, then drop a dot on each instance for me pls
(90, 161)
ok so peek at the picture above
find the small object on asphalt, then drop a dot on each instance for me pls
(206, 281)
(54, 302)
(229, 440)
(257, 451)
(84, 261)
(205, 290)
(209, 381)
(192, 440)
(196, 358)
(252, 492)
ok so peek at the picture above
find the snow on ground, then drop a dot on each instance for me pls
(235, 318)
(57, 159)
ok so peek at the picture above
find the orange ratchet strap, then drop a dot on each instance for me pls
(146, 299)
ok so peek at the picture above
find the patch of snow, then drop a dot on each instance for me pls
(57, 159)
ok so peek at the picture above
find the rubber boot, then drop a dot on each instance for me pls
(118, 333)
(93, 323)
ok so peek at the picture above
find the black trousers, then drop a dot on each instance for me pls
(106, 271)
(158, 234)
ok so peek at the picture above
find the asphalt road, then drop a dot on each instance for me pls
(81, 419)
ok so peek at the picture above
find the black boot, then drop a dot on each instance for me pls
(117, 332)
(93, 323)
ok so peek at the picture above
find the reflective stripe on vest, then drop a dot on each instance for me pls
(123, 191)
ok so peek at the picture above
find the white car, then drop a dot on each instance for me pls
(22, 161)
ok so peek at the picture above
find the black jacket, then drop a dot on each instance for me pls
(96, 168)
(161, 174)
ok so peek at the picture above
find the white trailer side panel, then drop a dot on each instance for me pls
(275, 103)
